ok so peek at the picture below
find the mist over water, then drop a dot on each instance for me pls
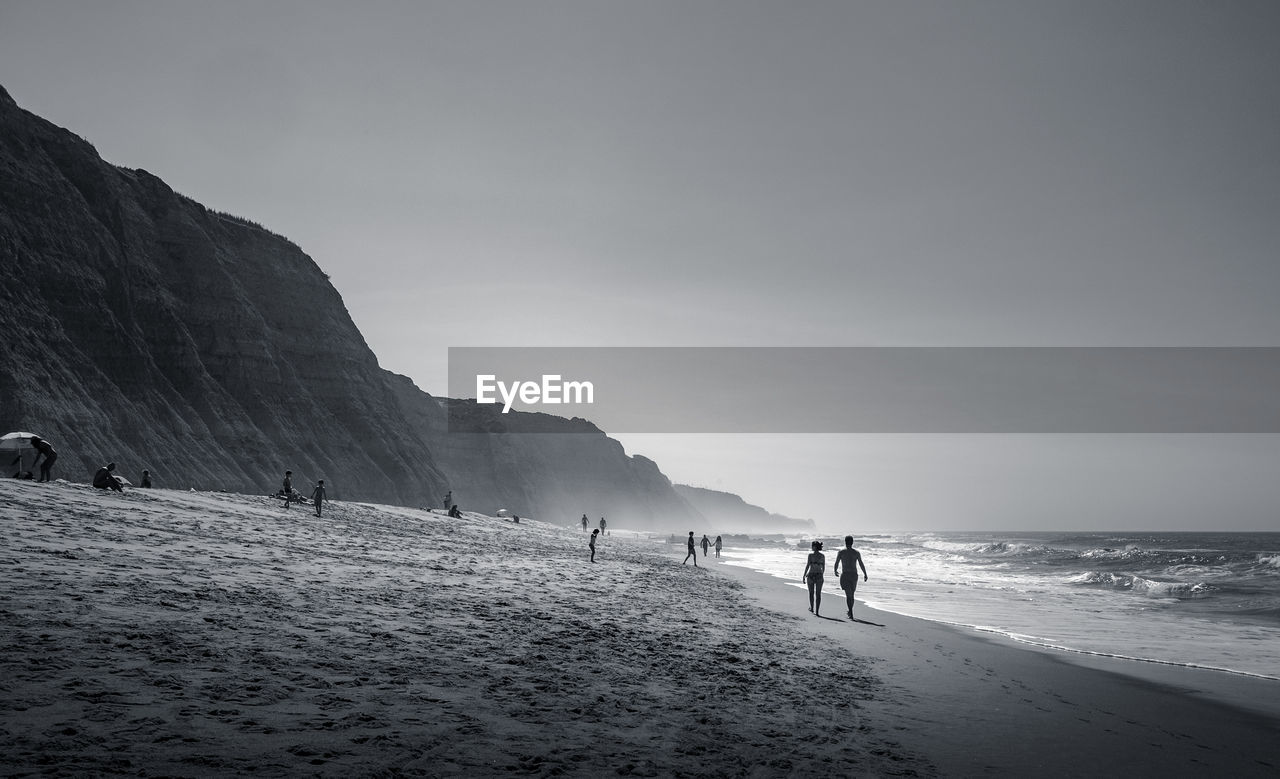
(1196, 599)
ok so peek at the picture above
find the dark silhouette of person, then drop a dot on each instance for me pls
(706, 544)
(43, 449)
(287, 488)
(448, 499)
(602, 525)
(453, 512)
(693, 552)
(719, 544)
(849, 578)
(146, 479)
(812, 575)
(592, 544)
(105, 478)
(317, 495)
(584, 523)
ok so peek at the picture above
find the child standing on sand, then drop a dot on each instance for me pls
(592, 544)
(317, 495)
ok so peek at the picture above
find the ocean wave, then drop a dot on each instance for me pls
(1148, 587)
(989, 548)
(1270, 560)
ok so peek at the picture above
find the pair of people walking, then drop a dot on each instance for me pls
(817, 562)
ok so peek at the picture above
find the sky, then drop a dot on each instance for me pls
(978, 173)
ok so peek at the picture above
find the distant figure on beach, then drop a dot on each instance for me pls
(592, 544)
(584, 523)
(602, 525)
(317, 495)
(706, 544)
(849, 578)
(813, 576)
(105, 478)
(448, 499)
(693, 552)
(719, 544)
(43, 449)
(453, 512)
(146, 479)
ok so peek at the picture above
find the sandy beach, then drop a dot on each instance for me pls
(202, 634)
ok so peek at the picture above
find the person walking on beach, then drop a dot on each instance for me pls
(146, 479)
(693, 552)
(317, 495)
(592, 544)
(287, 488)
(813, 576)
(706, 544)
(719, 544)
(584, 523)
(602, 525)
(43, 449)
(849, 578)
(448, 500)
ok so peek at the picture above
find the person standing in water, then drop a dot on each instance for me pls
(693, 552)
(813, 576)
(706, 544)
(849, 579)
(592, 544)
(719, 544)
(317, 495)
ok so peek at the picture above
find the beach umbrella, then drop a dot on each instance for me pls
(16, 442)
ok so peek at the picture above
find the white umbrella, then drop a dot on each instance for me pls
(16, 442)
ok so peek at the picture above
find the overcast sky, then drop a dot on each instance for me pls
(733, 173)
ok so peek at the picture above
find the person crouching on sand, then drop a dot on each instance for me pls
(592, 544)
(317, 495)
(813, 576)
(105, 478)
(693, 552)
(849, 579)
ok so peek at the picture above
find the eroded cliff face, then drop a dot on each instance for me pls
(143, 328)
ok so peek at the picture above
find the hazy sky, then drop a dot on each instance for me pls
(731, 173)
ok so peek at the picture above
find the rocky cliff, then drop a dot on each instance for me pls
(726, 512)
(143, 328)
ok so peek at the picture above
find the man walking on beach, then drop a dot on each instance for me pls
(849, 579)
(693, 552)
(287, 489)
(317, 495)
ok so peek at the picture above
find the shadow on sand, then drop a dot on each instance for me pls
(865, 622)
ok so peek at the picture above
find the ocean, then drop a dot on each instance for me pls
(1205, 600)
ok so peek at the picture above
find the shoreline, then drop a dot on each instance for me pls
(975, 703)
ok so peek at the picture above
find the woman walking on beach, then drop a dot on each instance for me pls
(813, 576)
(849, 579)
(693, 552)
(719, 543)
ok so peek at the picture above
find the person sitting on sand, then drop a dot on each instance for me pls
(706, 544)
(692, 552)
(592, 544)
(849, 578)
(105, 478)
(813, 576)
(317, 495)
(146, 479)
(43, 449)
(453, 512)
(719, 544)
